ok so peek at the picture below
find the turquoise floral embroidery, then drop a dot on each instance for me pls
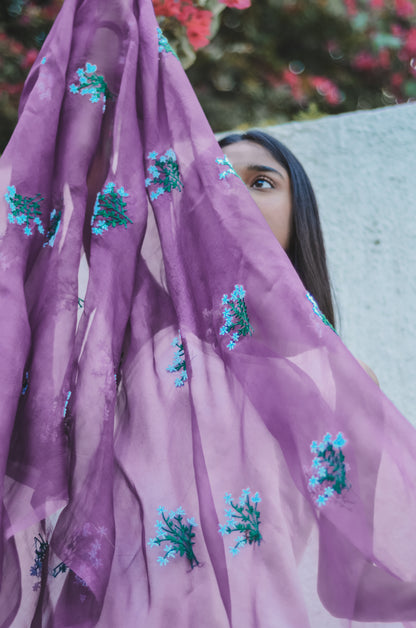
(164, 45)
(54, 223)
(41, 559)
(243, 517)
(175, 536)
(68, 397)
(236, 321)
(43, 61)
(24, 210)
(25, 384)
(91, 83)
(164, 173)
(318, 311)
(179, 365)
(328, 477)
(109, 209)
(228, 167)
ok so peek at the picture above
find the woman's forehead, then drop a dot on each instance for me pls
(246, 153)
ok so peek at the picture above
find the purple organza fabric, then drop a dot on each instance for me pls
(184, 439)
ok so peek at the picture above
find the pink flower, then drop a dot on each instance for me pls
(237, 4)
(196, 21)
(198, 28)
(396, 80)
(168, 8)
(13, 89)
(397, 30)
(383, 59)
(364, 61)
(351, 7)
(295, 84)
(410, 43)
(404, 8)
(30, 58)
(16, 47)
(376, 4)
(327, 89)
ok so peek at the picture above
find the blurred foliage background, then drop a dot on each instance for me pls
(273, 61)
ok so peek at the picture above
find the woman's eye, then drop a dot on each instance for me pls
(262, 184)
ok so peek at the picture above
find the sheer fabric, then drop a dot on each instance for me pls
(184, 439)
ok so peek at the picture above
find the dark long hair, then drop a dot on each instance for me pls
(306, 248)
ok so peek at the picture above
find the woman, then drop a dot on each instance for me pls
(159, 479)
(283, 192)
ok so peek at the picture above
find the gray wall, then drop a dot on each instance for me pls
(363, 169)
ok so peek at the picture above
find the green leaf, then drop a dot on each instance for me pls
(386, 40)
(360, 21)
(410, 89)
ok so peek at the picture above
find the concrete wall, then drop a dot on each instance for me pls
(363, 169)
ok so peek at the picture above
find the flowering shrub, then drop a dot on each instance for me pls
(295, 59)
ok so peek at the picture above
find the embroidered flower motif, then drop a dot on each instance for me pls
(41, 559)
(164, 174)
(92, 84)
(93, 554)
(225, 162)
(328, 477)
(68, 397)
(61, 568)
(43, 61)
(109, 209)
(25, 384)
(54, 223)
(164, 45)
(243, 517)
(176, 536)
(24, 210)
(318, 311)
(179, 365)
(41, 554)
(236, 321)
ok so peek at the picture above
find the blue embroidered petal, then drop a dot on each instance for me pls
(228, 498)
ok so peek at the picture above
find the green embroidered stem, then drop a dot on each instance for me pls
(179, 363)
(239, 310)
(109, 209)
(164, 173)
(329, 468)
(92, 84)
(236, 320)
(176, 535)
(41, 560)
(61, 568)
(242, 517)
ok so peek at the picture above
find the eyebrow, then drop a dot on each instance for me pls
(261, 168)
